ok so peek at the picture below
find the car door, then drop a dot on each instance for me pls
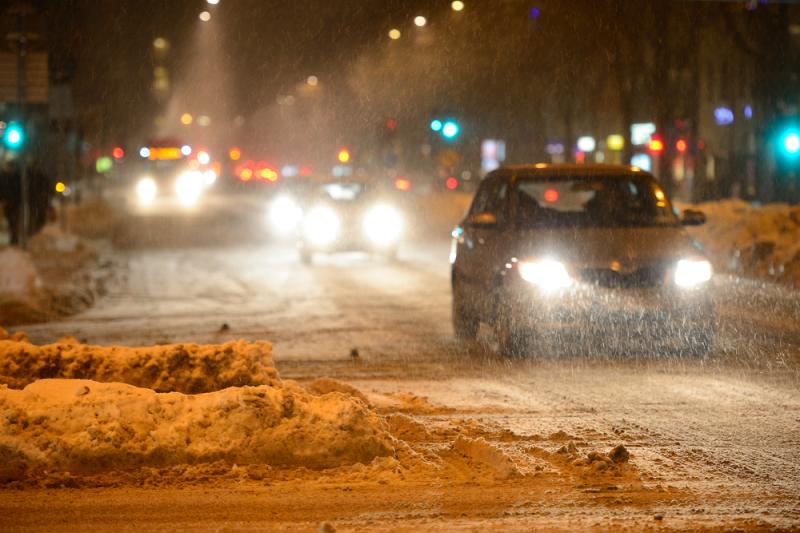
(482, 238)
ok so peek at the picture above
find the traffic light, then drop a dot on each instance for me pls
(655, 145)
(450, 130)
(343, 156)
(14, 136)
(790, 142)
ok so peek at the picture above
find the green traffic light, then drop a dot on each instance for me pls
(14, 136)
(791, 143)
(450, 129)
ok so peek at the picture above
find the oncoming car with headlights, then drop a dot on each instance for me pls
(548, 253)
(348, 217)
(167, 178)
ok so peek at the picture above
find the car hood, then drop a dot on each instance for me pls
(622, 249)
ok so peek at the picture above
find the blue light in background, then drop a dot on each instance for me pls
(723, 116)
(535, 12)
(748, 112)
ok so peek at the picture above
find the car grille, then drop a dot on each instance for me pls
(642, 278)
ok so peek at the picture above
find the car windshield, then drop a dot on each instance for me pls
(343, 192)
(592, 201)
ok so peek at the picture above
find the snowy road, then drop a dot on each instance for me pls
(715, 442)
(395, 314)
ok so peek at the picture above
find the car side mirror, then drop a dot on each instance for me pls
(482, 220)
(693, 218)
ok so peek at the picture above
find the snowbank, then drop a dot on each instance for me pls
(753, 241)
(84, 426)
(57, 276)
(19, 295)
(188, 368)
(17, 274)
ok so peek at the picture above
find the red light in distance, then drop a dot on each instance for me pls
(551, 196)
(118, 153)
(451, 183)
(681, 145)
(655, 145)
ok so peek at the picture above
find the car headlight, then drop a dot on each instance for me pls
(383, 225)
(546, 274)
(321, 226)
(209, 177)
(146, 190)
(188, 187)
(284, 214)
(692, 272)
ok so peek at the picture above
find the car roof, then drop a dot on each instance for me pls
(548, 170)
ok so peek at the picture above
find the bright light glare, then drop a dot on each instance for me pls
(791, 143)
(420, 21)
(189, 187)
(457, 5)
(203, 158)
(186, 150)
(205, 16)
(450, 129)
(321, 226)
(692, 272)
(586, 144)
(285, 215)
(146, 191)
(383, 225)
(209, 177)
(394, 34)
(144, 152)
(213, 2)
(546, 274)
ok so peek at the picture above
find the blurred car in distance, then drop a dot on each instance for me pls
(338, 217)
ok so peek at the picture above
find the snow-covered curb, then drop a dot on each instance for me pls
(188, 368)
(86, 426)
(761, 242)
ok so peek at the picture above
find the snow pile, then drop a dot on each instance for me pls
(84, 426)
(188, 368)
(483, 452)
(17, 274)
(19, 282)
(753, 241)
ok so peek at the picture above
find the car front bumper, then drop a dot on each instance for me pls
(597, 310)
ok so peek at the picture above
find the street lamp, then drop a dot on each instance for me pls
(420, 21)
(213, 2)
(457, 5)
(205, 16)
(394, 34)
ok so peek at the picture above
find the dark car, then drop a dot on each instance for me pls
(549, 251)
(350, 216)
